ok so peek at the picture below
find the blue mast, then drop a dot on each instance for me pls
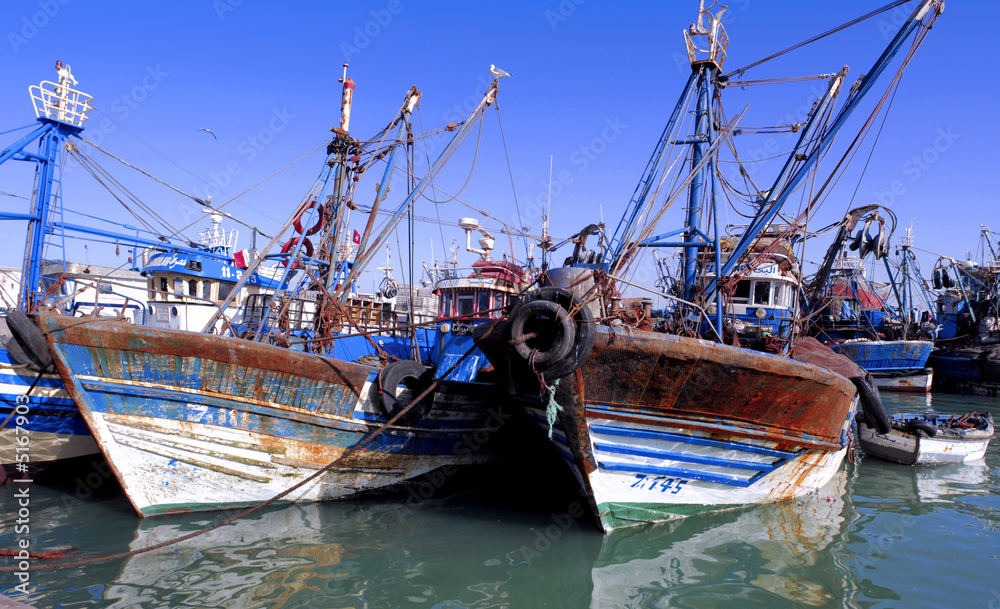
(61, 112)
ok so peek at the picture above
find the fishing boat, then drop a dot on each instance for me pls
(41, 424)
(166, 290)
(848, 312)
(195, 421)
(967, 355)
(667, 413)
(919, 439)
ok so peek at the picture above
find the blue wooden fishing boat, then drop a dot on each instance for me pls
(660, 414)
(35, 402)
(967, 356)
(193, 421)
(851, 315)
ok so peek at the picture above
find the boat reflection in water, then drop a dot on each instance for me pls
(766, 555)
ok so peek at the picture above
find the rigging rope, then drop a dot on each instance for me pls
(879, 11)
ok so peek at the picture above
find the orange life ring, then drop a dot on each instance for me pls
(306, 243)
(320, 220)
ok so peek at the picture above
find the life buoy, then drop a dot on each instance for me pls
(553, 326)
(29, 338)
(320, 218)
(402, 375)
(871, 403)
(921, 426)
(306, 243)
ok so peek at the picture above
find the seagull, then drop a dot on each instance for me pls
(497, 72)
(209, 131)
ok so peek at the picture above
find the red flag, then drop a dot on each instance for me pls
(357, 237)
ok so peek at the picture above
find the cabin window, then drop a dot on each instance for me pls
(152, 288)
(225, 289)
(163, 286)
(762, 293)
(103, 288)
(178, 285)
(498, 302)
(445, 305)
(742, 293)
(466, 304)
(206, 290)
(193, 287)
(484, 302)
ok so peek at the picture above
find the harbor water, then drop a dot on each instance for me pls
(516, 535)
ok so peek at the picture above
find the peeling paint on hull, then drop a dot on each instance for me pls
(56, 429)
(194, 422)
(658, 426)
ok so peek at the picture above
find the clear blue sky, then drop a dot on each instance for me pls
(593, 84)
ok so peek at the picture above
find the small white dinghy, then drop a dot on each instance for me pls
(929, 438)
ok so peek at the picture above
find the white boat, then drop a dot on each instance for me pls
(914, 381)
(917, 439)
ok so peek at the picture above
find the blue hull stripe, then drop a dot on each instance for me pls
(673, 437)
(28, 379)
(679, 473)
(171, 405)
(672, 456)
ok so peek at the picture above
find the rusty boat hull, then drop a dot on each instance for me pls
(197, 422)
(657, 426)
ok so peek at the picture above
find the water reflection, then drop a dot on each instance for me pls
(767, 555)
(516, 536)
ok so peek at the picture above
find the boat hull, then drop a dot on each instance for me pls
(879, 356)
(657, 426)
(919, 381)
(195, 422)
(913, 448)
(49, 419)
(972, 369)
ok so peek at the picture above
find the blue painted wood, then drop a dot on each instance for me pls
(674, 437)
(679, 473)
(687, 458)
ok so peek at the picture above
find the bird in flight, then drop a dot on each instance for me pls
(209, 131)
(497, 72)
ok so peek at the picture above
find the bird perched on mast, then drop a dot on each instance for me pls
(497, 72)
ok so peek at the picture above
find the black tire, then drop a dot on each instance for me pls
(555, 331)
(18, 356)
(583, 341)
(871, 403)
(414, 377)
(586, 333)
(30, 338)
(920, 425)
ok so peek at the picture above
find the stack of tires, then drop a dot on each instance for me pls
(551, 333)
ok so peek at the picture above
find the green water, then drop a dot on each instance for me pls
(880, 535)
